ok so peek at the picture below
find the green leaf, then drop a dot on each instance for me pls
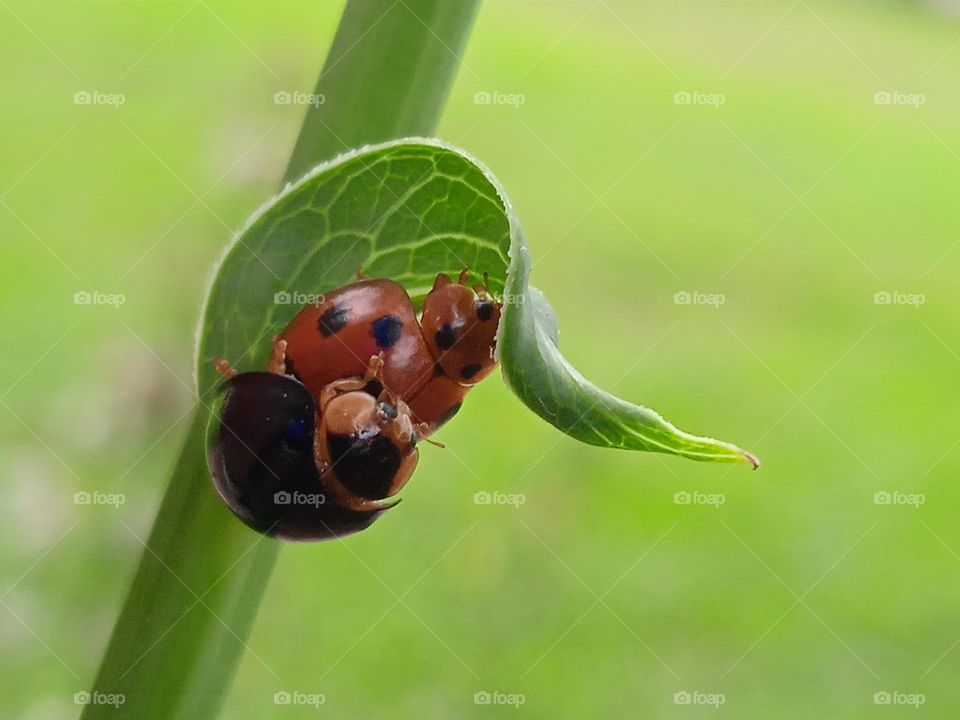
(406, 210)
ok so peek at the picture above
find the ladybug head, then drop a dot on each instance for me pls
(360, 415)
(460, 327)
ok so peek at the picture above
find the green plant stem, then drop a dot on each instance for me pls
(387, 75)
(183, 628)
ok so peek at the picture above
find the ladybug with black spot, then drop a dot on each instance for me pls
(460, 328)
(430, 364)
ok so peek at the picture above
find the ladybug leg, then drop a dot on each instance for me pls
(347, 499)
(360, 274)
(337, 387)
(483, 291)
(423, 429)
(463, 275)
(224, 368)
(278, 358)
(374, 367)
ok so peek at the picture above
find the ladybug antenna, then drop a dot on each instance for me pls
(483, 290)
(463, 275)
(422, 429)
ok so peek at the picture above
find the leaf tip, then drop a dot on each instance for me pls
(751, 458)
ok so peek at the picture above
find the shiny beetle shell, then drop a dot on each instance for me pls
(336, 338)
(367, 447)
(262, 461)
(460, 327)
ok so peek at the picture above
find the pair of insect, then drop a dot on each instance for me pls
(312, 448)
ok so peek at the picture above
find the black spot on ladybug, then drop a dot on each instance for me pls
(386, 330)
(468, 371)
(484, 310)
(333, 320)
(365, 465)
(438, 371)
(451, 411)
(446, 337)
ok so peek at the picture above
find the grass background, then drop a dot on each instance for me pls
(798, 597)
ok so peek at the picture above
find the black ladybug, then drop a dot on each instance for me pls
(261, 457)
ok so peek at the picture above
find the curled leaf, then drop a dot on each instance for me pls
(407, 210)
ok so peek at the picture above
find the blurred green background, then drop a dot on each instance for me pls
(796, 196)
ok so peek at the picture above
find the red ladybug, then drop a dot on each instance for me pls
(429, 364)
(460, 328)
